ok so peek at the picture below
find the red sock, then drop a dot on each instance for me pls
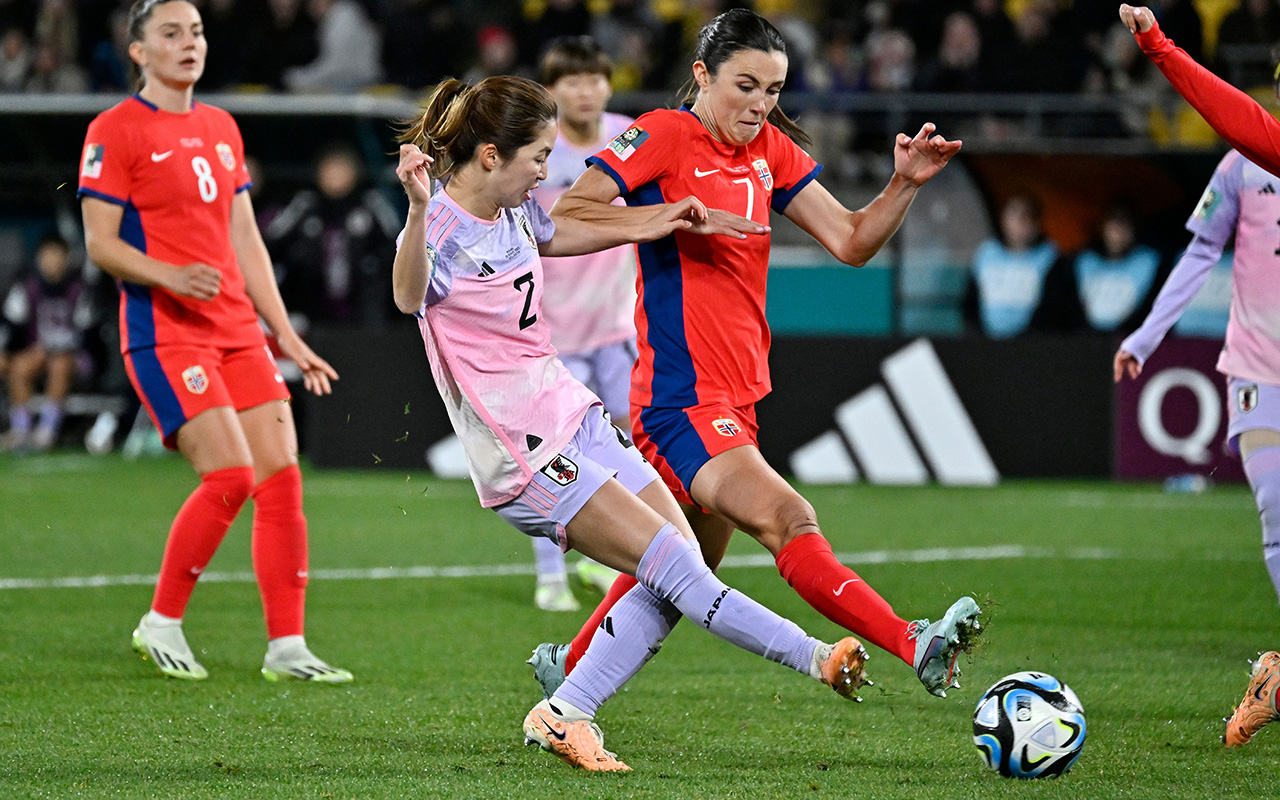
(836, 591)
(280, 551)
(621, 585)
(196, 533)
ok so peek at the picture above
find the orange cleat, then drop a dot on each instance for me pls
(1259, 704)
(844, 668)
(579, 743)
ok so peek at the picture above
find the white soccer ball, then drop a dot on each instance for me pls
(1029, 725)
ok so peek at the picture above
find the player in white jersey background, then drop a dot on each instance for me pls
(588, 300)
(540, 450)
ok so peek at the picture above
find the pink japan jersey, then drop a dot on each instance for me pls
(590, 299)
(1244, 199)
(512, 403)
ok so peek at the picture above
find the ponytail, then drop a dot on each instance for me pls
(505, 111)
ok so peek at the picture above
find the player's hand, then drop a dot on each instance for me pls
(316, 372)
(1126, 363)
(726, 223)
(919, 159)
(197, 280)
(413, 175)
(1136, 19)
(669, 217)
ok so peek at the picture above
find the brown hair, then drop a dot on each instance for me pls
(505, 111)
(574, 55)
(732, 32)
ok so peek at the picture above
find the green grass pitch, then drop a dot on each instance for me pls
(1147, 604)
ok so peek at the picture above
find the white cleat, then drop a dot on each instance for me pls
(167, 648)
(300, 664)
(555, 595)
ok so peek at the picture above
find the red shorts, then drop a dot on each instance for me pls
(678, 441)
(177, 382)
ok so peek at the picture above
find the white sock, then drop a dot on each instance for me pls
(820, 654)
(283, 644)
(567, 711)
(157, 620)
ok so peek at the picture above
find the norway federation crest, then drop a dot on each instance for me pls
(1247, 398)
(762, 172)
(195, 379)
(225, 155)
(561, 470)
(726, 427)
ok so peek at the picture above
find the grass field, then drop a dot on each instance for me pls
(1147, 604)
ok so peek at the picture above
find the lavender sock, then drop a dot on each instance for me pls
(629, 636)
(548, 560)
(1262, 467)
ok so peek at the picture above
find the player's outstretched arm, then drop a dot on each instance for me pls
(1236, 116)
(855, 236)
(119, 259)
(587, 221)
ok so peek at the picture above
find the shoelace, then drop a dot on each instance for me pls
(914, 629)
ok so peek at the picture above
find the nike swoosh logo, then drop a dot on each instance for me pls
(158, 157)
(552, 732)
(1261, 694)
(846, 583)
(700, 174)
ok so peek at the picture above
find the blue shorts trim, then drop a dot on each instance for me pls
(158, 391)
(676, 440)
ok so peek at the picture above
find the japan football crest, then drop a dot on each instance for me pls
(561, 470)
(225, 155)
(195, 379)
(726, 427)
(762, 172)
(92, 166)
(1247, 398)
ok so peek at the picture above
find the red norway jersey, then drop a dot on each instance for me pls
(175, 176)
(700, 320)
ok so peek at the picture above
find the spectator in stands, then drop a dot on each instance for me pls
(1038, 61)
(334, 244)
(642, 44)
(1180, 22)
(52, 72)
(1244, 43)
(409, 23)
(957, 64)
(552, 20)
(350, 57)
(1011, 273)
(45, 310)
(15, 59)
(996, 32)
(109, 62)
(496, 55)
(1116, 278)
(288, 39)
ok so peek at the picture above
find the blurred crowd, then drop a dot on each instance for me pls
(835, 45)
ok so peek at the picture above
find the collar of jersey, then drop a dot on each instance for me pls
(153, 107)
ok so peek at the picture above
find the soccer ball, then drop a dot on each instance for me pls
(1029, 725)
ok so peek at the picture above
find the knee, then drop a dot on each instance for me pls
(791, 518)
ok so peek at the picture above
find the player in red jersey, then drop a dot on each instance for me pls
(702, 334)
(1252, 130)
(162, 188)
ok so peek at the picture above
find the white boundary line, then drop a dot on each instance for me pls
(498, 570)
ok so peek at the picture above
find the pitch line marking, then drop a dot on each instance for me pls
(936, 554)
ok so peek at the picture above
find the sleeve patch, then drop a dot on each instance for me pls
(92, 166)
(1208, 204)
(626, 143)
